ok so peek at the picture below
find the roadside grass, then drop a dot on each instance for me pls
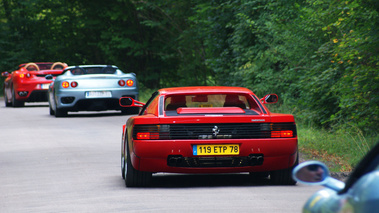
(340, 150)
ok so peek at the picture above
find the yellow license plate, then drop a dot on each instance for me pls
(219, 149)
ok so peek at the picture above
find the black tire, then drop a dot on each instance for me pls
(51, 111)
(284, 176)
(122, 166)
(135, 178)
(15, 102)
(7, 104)
(123, 155)
(60, 113)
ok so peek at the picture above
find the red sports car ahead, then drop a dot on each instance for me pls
(208, 130)
(28, 83)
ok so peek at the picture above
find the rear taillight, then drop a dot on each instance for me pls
(74, 84)
(23, 75)
(121, 83)
(129, 83)
(147, 135)
(283, 130)
(282, 134)
(65, 84)
(151, 132)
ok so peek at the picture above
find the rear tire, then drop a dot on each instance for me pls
(7, 104)
(135, 178)
(284, 176)
(15, 102)
(122, 166)
(60, 113)
(51, 111)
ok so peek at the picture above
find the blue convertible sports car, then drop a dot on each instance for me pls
(91, 88)
(360, 193)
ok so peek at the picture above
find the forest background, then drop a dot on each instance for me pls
(320, 56)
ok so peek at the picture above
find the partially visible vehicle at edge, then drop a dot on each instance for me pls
(28, 83)
(360, 193)
(207, 130)
(91, 88)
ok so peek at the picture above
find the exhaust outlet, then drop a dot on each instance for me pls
(175, 160)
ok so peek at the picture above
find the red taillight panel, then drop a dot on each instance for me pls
(147, 135)
(282, 134)
(205, 131)
(23, 75)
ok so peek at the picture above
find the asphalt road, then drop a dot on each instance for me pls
(72, 164)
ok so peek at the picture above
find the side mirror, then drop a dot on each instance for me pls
(5, 74)
(130, 102)
(270, 99)
(49, 77)
(316, 173)
(311, 172)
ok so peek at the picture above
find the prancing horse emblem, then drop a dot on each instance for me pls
(215, 131)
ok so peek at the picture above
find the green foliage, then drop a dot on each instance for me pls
(348, 64)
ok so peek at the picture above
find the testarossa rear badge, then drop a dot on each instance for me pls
(258, 120)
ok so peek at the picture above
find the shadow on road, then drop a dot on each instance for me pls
(216, 180)
(94, 114)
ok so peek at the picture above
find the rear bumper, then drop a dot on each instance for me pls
(34, 91)
(160, 156)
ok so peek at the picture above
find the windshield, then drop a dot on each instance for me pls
(91, 70)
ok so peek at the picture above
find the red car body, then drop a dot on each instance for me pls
(208, 135)
(28, 82)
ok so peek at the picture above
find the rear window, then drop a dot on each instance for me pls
(92, 70)
(174, 102)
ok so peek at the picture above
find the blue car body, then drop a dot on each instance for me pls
(91, 88)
